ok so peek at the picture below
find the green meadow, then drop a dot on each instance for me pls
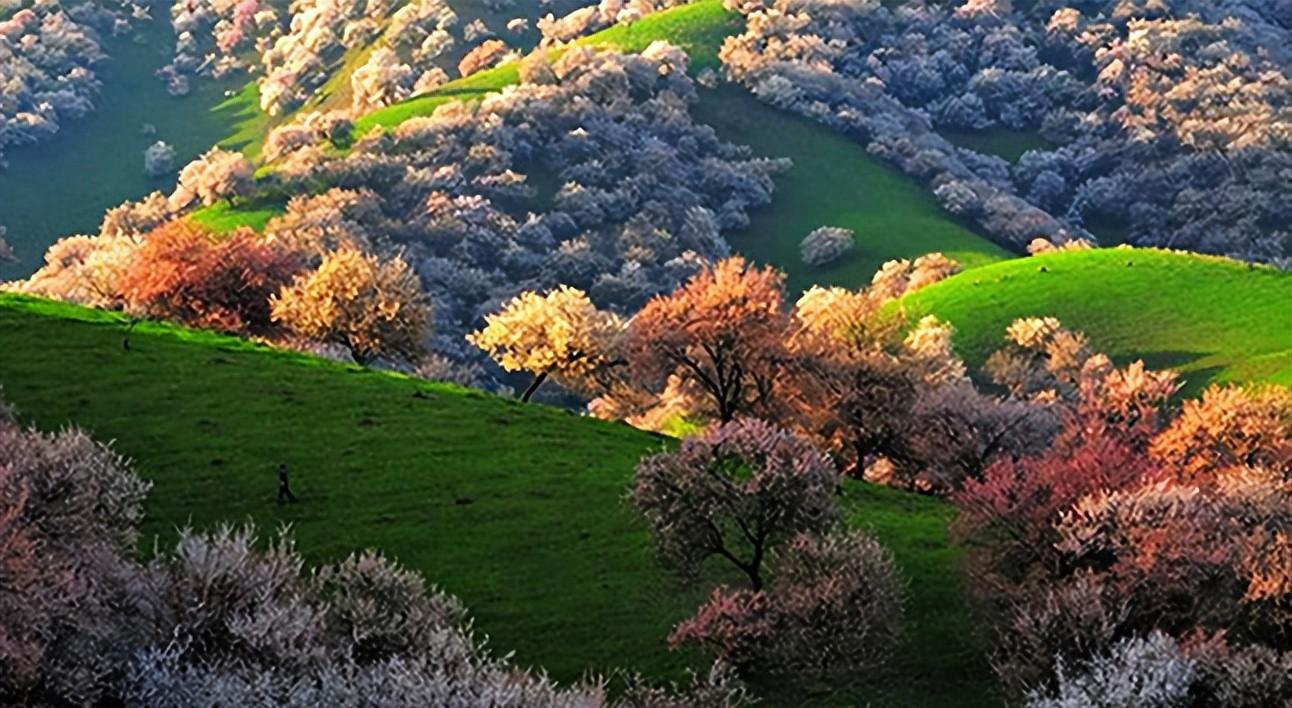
(1212, 318)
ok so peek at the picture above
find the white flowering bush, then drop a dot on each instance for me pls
(222, 620)
(159, 159)
(826, 245)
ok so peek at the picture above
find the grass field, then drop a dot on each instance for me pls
(834, 182)
(1211, 318)
(62, 186)
(517, 509)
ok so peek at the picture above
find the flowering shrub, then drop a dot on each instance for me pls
(69, 508)
(832, 612)
(1156, 670)
(1134, 522)
(216, 175)
(735, 493)
(159, 159)
(825, 245)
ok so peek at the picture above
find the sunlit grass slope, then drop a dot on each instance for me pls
(518, 509)
(1211, 318)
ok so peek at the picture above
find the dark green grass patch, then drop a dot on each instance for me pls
(834, 182)
(517, 509)
(1211, 318)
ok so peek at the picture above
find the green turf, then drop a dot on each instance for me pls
(223, 217)
(1209, 317)
(247, 125)
(834, 182)
(517, 509)
(63, 185)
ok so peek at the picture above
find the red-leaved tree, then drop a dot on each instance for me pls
(223, 282)
(721, 336)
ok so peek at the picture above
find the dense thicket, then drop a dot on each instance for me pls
(1170, 121)
(591, 174)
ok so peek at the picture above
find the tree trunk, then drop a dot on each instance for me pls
(533, 386)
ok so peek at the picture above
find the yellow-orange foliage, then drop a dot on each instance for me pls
(375, 308)
(561, 334)
(722, 334)
(850, 317)
(1227, 427)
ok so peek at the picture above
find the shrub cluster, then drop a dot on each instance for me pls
(825, 245)
(1137, 521)
(49, 53)
(822, 604)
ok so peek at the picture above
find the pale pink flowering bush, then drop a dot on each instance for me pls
(68, 512)
(216, 175)
(833, 610)
(735, 492)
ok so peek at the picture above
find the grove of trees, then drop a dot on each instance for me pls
(49, 53)
(592, 175)
(1169, 123)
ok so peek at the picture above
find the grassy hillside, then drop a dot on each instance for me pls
(1211, 318)
(699, 28)
(517, 509)
(834, 182)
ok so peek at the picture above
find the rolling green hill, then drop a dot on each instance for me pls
(517, 509)
(1211, 318)
(834, 182)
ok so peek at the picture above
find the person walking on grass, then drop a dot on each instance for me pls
(285, 495)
